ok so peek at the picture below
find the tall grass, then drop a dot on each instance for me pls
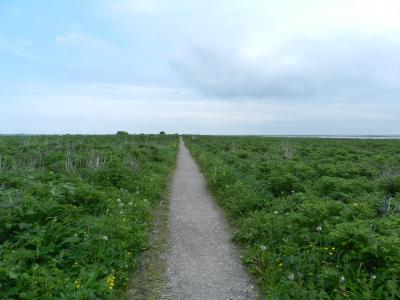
(75, 212)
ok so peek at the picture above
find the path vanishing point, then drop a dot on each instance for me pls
(202, 263)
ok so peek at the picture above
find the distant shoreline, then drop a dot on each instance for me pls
(362, 137)
(359, 137)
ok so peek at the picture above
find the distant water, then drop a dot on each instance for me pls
(362, 137)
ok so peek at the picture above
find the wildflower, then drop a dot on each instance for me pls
(373, 277)
(111, 281)
(342, 279)
(280, 265)
(104, 237)
(330, 253)
(118, 200)
(319, 228)
(75, 234)
(129, 253)
(77, 284)
(276, 212)
(263, 248)
(291, 276)
(130, 203)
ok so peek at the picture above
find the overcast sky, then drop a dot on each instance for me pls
(198, 66)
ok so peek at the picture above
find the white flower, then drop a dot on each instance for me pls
(130, 203)
(373, 277)
(319, 228)
(263, 248)
(276, 212)
(118, 200)
(104, 237)
(342, 279)
(291, 276)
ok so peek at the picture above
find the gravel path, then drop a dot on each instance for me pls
(201, 261)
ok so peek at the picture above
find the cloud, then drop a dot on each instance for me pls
(126, 7)
(83, 42)
(315, 50)
(345, 67)
(88, 109)
(227, 66)
(18, 48)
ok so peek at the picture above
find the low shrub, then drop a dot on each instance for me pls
(321, 224)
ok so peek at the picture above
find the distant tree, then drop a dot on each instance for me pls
(162, 132)
(122, 133)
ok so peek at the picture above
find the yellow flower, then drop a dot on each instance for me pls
(111, 281)
(280, 264)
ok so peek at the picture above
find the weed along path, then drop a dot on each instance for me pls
(201, 261)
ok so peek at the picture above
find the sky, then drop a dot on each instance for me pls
(260, 67)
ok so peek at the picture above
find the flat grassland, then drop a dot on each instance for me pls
(75, 212)
(316, 218)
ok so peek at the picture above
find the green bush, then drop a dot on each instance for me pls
(72, 226)
(322, 225)
(391, 185)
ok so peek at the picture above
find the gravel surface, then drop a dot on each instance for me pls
(202, 262)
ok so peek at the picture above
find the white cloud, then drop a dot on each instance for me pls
(16, 48)
(290, 66)
(82, 41)
(126, 7)
(87, 109)
(258, 48)
(347, 68)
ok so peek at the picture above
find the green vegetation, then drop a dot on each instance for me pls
(75, 212)
(317, 218)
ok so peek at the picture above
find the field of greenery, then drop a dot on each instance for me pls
(75, 211)
(316, 218)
